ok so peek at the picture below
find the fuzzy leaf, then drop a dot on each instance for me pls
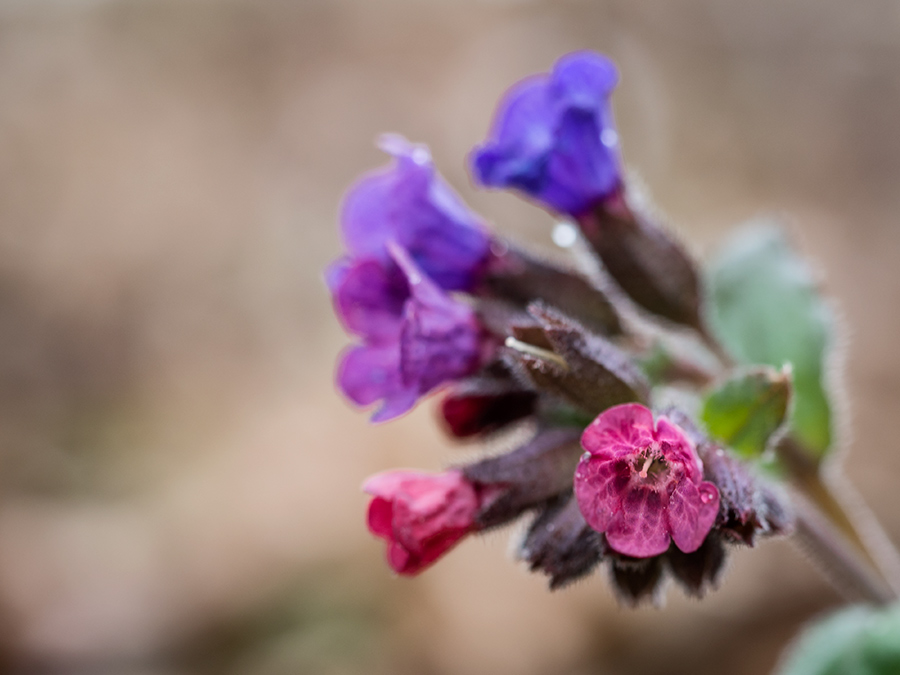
(765, 308)
(747, 409)
(858, 640)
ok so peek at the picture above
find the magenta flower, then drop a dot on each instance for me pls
(553, 136)
(410, 204)
(420, 515)
(415, 336)
(643, 485)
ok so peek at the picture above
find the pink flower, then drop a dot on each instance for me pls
(420, 515)
(643, 485)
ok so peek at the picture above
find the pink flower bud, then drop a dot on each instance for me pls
(420, 515)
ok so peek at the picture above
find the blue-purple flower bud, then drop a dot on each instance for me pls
(553, 137)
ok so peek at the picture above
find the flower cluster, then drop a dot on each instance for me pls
(440, 303)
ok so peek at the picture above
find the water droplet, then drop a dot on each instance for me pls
(421, 155)
(564, 235)
(705, 497)
(609, 137)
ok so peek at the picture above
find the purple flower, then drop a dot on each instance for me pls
(415, 336)
(553, 136)
(369, 297)
(410, 204)
(643, 486)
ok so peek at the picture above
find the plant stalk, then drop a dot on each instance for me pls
(841, 563)
(846, 533)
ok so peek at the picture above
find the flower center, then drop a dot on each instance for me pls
(647, 462)
(650, 464)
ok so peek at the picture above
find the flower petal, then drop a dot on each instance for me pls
(401, 560)
(584, 78)
(433, 504)
(520, 139)
(640, 528)
(388, 484)
(580, 166)
(365, 214)
(367, 374)
(441, 339)
(691, 513)
(368, 297)
(395, 404)
(379, 517)
(619, 431)
(408, 202)
(599, 486)
(678, 448)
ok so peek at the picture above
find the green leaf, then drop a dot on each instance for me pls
(858, 640)
(765, 308)
(747, 409)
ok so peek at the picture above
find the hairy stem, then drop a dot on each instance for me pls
(838, 559)
(806, 476)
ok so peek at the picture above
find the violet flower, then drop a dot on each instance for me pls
(553, 136)
(415, 336)
(420, 515)
(409, 203)
(643, 485)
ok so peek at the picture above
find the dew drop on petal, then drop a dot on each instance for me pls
(564, 235)
(609, 137)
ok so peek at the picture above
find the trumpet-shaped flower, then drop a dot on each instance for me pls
(410, 204)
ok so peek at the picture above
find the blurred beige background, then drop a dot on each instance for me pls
(179, 481)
